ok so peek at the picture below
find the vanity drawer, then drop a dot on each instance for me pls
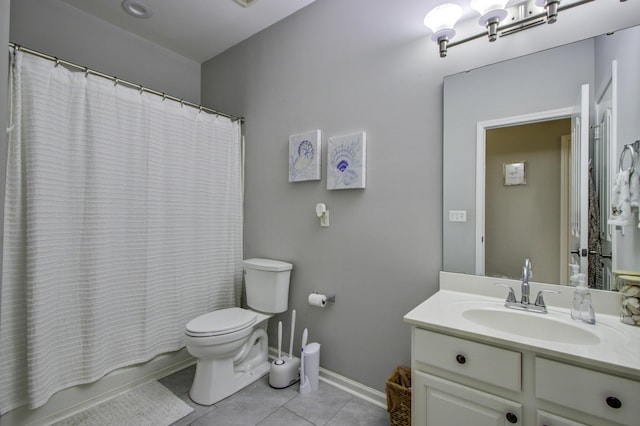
(478, 361)
(598, 394)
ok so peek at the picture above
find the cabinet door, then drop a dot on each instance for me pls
(438, 402)
(548, 419)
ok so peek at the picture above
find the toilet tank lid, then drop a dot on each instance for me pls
(267, 265)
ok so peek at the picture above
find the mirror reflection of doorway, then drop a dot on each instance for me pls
(603, 154)
(528, 219)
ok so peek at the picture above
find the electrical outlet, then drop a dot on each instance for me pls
(457, 215)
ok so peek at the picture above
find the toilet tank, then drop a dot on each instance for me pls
(267, 284)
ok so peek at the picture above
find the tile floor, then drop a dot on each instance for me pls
(259, 404)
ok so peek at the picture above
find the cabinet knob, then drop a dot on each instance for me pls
(461, 359)
(613, 402)
(512, 418)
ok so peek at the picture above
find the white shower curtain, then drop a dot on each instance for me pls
(123, 221)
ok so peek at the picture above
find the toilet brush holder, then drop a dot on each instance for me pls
(311, 368)
(284, 372)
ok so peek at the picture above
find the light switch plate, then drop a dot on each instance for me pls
(457, 215)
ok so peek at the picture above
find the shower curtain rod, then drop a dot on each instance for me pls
(117, 80)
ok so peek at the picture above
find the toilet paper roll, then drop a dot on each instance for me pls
(319, 300)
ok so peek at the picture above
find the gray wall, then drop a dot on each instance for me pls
(503, 90)
(344, 67)
(61, 30)
(626, 54)
(331, 68)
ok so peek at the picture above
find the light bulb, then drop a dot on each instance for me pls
(485, 6)
(441, 20)
(443, 17)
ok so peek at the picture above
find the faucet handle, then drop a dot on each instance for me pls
(511, 297)
(540, 299)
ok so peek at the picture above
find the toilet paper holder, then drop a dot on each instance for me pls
(331, 298)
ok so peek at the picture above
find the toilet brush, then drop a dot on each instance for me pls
(305, 386)
(279, 340)
(284, 371)
(293, 330)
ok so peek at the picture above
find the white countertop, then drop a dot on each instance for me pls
(617, 349)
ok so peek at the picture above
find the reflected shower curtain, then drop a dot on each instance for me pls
(123, 221)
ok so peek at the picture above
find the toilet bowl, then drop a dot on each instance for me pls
(231, 345)
(232, 352)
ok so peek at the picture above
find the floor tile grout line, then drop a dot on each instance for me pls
(285, 408)
(276, 409)
(339, 410)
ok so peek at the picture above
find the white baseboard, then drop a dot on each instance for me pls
(339, 381)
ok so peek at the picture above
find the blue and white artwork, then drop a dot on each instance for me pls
(304, 156)
(346, 161)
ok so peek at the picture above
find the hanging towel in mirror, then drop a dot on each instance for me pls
(634, 188)
(621, 200)
(634, 192)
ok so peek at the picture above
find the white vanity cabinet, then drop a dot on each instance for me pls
(459, 380)
(476, 362)
(442, 367)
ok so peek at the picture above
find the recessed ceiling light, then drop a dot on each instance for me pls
(245, 3)
(136, 8)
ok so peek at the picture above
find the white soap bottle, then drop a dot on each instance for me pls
(577, 295)
(582, 309)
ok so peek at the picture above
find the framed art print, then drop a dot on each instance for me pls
(515, 173)
(346, 161)
(304, 156)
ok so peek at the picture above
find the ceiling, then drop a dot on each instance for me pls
(202, 29)
(197, 29)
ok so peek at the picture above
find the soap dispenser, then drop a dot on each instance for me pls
(582, 309)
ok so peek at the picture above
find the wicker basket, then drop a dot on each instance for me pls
(398, 389)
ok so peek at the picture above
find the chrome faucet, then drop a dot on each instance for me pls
(525, 304)
(526, 275)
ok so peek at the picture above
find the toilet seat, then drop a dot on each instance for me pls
(217, 323)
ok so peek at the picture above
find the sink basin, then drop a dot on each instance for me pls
(532, 325)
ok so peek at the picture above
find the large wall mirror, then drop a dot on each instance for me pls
(532, 147)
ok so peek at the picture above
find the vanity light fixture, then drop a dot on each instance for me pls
(136, 9)
(441, 20)
(500, 18)
(551, 7)
(492, 12)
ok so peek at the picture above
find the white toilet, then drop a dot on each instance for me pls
(231, 344)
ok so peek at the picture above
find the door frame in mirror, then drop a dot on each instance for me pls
(481, 141)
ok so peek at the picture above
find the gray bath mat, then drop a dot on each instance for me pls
(150, 404)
